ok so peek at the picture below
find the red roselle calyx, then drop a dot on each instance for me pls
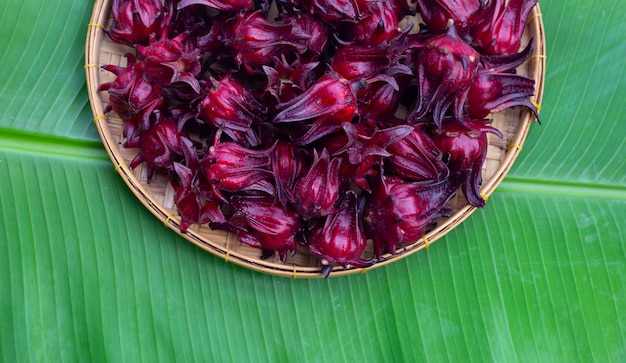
(416, 157)
(466, 150)
(168, 61)
(257, 40)
(400, 212)
(231, 107)
(135, 20)
(231, 167)
(327, 104)
(446, 68)
(161, 146)
(195, 202)
(500, 29)
(340, 238)
(316, 193)
(363, 150)
(437, 13)
(333, 11)
(331, 97)
(308, 32)
(288, 166)
(261, 223)
(379, 25)
(493, 92)
(231, 5)
(132, 97)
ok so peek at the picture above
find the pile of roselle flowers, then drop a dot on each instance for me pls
(325, 125)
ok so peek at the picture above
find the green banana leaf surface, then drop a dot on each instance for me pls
(87, 274)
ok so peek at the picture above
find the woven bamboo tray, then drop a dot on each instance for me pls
(158, 195)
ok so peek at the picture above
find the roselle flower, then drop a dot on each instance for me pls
(257, 40)
(231, 5)
(231, 167)
(466, 149)
(259, 222)
(161, 146)
(499, 30)
(436, 13)
(416, 157)
(194, 201)
(363, 150)
(286, 81)
(493, 92)
(333, 11)
(288, 166)
(340, 239)
(307, 31)
(168, 61)
(132, 97)
(380, 95)
(135, 20)
(356, 61)
(316, 193)
(379, 25)
(400, 212)
(328, 103)
(446, 68)
(215, 38)
(230, 106)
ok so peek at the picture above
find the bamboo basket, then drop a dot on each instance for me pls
(158, 195)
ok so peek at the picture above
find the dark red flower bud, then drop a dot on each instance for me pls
(465, 149)
(168, 61)
(286, 81)
(493, 92)
(257, 41)
(288, 166)
(363, 150)
(231, 107)
(194, 201)
(332, 11)
(224, 5)
(355, 61)
(259, 222)
(437, 13)
(135, 20)
(316, 193)
(399, 212)
(216, 38)
(231, 167)
(446, 69)
(499, 28)
(308, 31)
(329, 98)
(381, 100)
(329, 102)
(381, 95)
(340, 239)
(161, 146)
(132, 97)
(417, 158)
(380, 25)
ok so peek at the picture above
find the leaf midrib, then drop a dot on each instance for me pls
(63, 147)
(50, 145)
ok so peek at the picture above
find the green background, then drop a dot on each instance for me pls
(88, 274)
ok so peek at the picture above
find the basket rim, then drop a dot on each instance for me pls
(95, 34)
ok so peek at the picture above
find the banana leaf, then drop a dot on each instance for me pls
(87, 274)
